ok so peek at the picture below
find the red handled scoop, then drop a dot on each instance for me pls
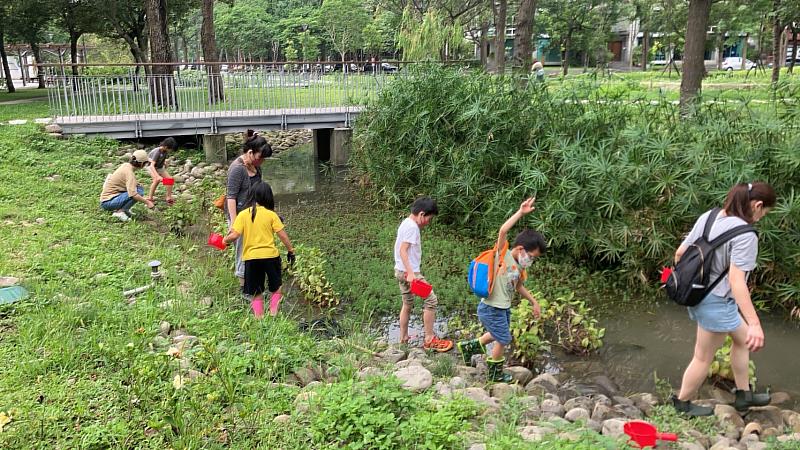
(645, 434)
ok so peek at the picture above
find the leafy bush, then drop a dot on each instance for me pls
(566, 322)
(619, 181)
(309, 271)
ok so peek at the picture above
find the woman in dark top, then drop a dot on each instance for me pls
(244, 172)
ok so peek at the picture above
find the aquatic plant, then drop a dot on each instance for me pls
(309, 272)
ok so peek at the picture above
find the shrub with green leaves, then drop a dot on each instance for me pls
(309, 272)
(566, 322)
(721, 366)
(619, 180)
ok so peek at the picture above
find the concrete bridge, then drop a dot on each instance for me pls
(124, 103)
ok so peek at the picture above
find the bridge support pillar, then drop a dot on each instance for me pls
(214, 147)
(340, 146)
(322, 143)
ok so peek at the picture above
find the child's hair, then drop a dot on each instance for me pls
(737, 203)
(260, 194)
(531, 240)
(256, 143)
(169, 143)
(425, 205)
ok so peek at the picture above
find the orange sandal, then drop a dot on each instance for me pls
(439, 345)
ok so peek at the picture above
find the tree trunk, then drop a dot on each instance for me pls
(209, 43)
(694, 48)
(565, 58)
(744, 52)
(37, 56)
(500, 13)
(777, 31)
(4, 57)
(645, 48)
(162, 84)
(73, 51)
(483, 42)
(794, 48)
(523, 34)
(720, 49)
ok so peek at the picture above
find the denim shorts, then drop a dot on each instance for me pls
(497, 322)
(716, 314)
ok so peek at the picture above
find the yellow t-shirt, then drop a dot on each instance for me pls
(258, 237)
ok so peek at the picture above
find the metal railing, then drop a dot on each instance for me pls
(100, 92)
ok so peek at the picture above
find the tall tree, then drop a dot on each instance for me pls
(429, 37)
(568, 22)
(28, 22)
(694, 49)
(343, 21)
(126, 20)
(3, 56)
(162, 83)
(210, 54)
(523, 34)
(500, 13)
(777, 33)
(76, 17)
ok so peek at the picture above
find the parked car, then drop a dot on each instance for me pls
(388, 68)
(735, 63)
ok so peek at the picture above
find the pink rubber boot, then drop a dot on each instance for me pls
(273, 303)
(258, 307)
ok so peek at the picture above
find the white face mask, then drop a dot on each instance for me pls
(525, 259)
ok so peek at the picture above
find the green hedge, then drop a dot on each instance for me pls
(618, 182)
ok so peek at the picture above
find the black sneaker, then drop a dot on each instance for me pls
(747, 399)
(690, 409)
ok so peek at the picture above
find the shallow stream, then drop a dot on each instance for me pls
(642, 338)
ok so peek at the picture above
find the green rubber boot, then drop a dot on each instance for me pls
(470, 348)
(496, 373)
(690, 409)
(747, 399)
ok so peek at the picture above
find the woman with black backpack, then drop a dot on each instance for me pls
(726, 309)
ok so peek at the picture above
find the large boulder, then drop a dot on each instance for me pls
(613, 427)
(392, 355)
(552, 408)
(576, 414)
(727, 414)
(579, 402)
(602, 412)
(504, 391)
(767, 416)
(481, 397)
(534, 433)
(791, 419)
(414, 378)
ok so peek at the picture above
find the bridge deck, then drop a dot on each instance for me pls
(207, 122)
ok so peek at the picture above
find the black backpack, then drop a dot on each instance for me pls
(690, 280)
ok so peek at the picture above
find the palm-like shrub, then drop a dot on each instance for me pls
(619, 180)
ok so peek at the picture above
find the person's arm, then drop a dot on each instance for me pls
(537, 310)
(131, 185)
(232, 236)
(286, 242)
(525, 208)
(679, 253)
(231, 202)
(738, 281)
(232, 188)
(404, 246)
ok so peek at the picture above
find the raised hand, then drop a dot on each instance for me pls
(527, 206)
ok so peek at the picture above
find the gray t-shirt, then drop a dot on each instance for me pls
(741, 251)
(239, 182)
(158, 157)
(408, 232)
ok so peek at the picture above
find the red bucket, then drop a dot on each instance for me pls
(168, 181)
(215, 240)
(644, 434)
(421, 288)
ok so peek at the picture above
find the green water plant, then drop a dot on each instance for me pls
(309, 272)
(721, 366)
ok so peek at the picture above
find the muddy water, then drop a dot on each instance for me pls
(658, 337)
(642, 339)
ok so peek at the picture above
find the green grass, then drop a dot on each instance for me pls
(81, 367)
(23, 94)
(33, 110)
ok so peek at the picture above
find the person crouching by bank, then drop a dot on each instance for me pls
(121, 190)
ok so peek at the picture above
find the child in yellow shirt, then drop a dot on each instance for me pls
(262, 262)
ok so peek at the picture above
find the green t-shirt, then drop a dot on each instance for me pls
(506, 283)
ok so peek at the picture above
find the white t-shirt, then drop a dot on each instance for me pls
(408, 232)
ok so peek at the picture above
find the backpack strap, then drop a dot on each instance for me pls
(498, 253)
(721, 239)
(712, 217)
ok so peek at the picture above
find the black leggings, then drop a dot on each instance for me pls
(256, 271)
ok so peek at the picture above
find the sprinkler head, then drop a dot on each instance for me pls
(154, 266)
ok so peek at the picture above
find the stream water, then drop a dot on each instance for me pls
(642, 338)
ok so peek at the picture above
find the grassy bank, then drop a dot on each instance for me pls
(83, 367)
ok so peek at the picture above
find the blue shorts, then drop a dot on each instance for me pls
(497, 322)
(716, 314)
